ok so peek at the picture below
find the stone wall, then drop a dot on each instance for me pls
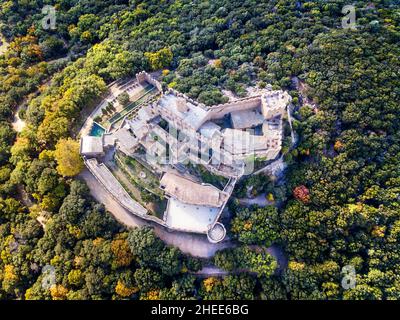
(281, 100)
(143, 76)
(220, 110)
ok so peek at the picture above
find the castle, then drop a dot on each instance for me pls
(174, 131)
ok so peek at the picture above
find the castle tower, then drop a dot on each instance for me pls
(274, 104)
(181, 105)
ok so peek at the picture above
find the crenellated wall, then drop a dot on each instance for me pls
(275, 103)
(220, 110)
(143, 76)
(188, 99)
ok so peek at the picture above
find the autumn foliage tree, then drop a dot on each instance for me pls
(302, 193)
(121, 252)
(160, 59)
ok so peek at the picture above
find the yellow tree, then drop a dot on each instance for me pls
(58, 292)
(160, 59)
(210, 283)
(121, 252)
(122, 290)
(68, 159)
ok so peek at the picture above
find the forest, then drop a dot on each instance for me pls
(339, 205)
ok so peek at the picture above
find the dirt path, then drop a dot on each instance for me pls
(211, 271)
(260, 201)
(196, 245)
(280, 256)
(274, 250)
(62, 59)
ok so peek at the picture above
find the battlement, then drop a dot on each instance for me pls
(275, 103)
(143, 76)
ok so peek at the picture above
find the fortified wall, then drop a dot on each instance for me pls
(275, 103)
(220, 110)
(188, 99)
(143, 76)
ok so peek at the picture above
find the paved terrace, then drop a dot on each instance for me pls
(190, 218)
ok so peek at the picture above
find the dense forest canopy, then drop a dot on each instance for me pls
(339, 204)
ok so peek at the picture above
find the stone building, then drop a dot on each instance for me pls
(176, 130)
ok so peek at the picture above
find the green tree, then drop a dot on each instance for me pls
(256, 226)
(123, 99)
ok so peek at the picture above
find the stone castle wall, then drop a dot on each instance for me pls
(282, 100)
(220, 110)
(143, 76)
